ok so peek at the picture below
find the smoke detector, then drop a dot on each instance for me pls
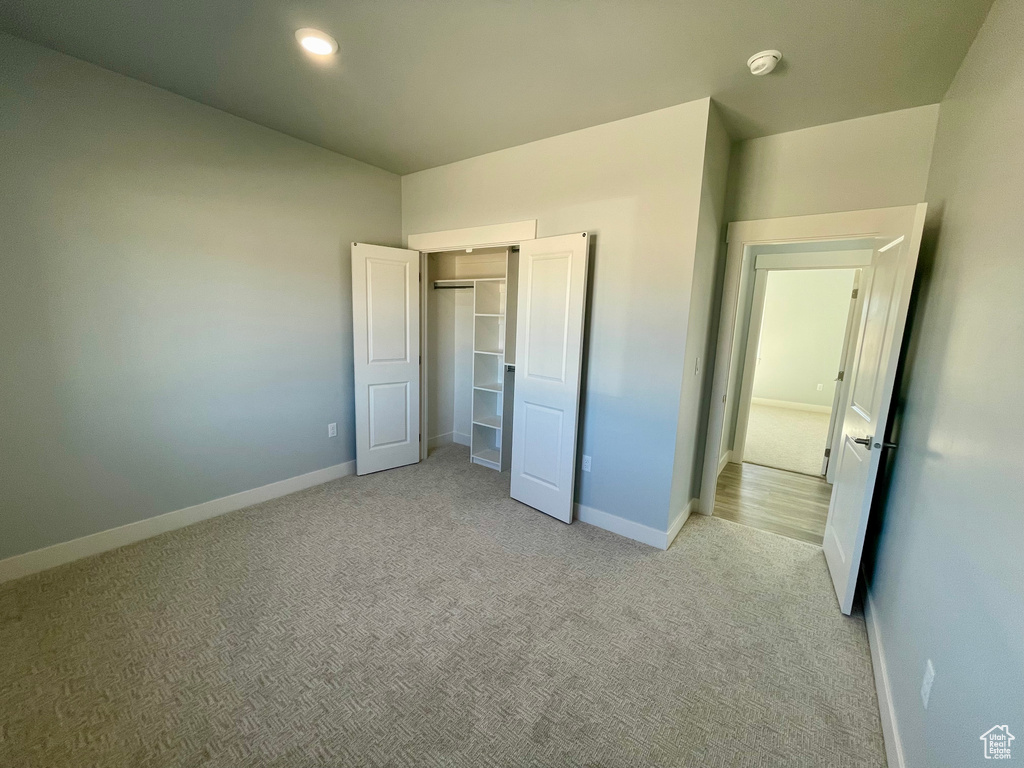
(764, 62)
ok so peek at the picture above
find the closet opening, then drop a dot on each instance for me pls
(468, 367)
(478, 345)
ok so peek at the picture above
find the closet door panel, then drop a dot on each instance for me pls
(549, 343)
(386, 352)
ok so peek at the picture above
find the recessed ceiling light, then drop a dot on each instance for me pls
(317, 42)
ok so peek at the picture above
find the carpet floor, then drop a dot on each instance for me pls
(421, 617)
(786, 438)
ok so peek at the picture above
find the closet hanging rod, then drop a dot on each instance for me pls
(438, 286)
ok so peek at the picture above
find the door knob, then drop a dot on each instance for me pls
(866, 441)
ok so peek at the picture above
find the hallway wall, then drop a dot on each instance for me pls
(802, 333)
(870, 162)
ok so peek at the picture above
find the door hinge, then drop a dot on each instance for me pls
(855, 293)
(828, 452)
(840, 376)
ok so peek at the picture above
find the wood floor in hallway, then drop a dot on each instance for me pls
(786, 503)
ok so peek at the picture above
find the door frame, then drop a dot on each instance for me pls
(763, 264)
(744, 242)
(753, 334)
(835, 432)
(487, 236)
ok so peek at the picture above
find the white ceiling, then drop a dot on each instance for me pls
(420, 83)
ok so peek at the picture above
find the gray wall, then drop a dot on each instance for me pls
(635, 184)
(948, 583)
(174, 299)
(702, 322)
(871, 162)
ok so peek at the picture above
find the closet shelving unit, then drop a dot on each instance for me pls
(489, 304)
(472, 351)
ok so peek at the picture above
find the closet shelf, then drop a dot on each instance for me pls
(490, 352)
(489, 314)
(494, 422)
(496, 387)
(488, 457)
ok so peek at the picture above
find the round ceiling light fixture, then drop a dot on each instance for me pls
(316, 42)
(764, 62)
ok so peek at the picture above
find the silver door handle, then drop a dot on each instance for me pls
(866, 441)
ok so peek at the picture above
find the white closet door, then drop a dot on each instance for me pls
(386, 348)
(886, 286)
(549, 346)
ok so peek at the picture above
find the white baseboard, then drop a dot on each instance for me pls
(447, 439)
(724, 460)
(677, 524)
(58, 554)
(791, 405)
(632, 530)
(438, 440)
(886, 710)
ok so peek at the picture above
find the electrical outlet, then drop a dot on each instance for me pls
(926, 684)
(586, 463)
(332, 430)
(820, 387)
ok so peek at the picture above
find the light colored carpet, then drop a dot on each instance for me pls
(786, 438)
(419, 617)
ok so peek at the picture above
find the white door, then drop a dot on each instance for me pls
(549, 347)
(386, 348)
(886, 293)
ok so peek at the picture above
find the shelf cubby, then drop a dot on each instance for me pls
(487, 372)
(489, 334)
(490, 297)
(486, 448)
(487, 408)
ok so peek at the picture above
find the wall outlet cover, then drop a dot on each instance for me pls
(332, 429)
(586, 463)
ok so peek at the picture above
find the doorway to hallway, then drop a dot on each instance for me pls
(786, 503)
(883, 244)
(797, 348)
(778, 475)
